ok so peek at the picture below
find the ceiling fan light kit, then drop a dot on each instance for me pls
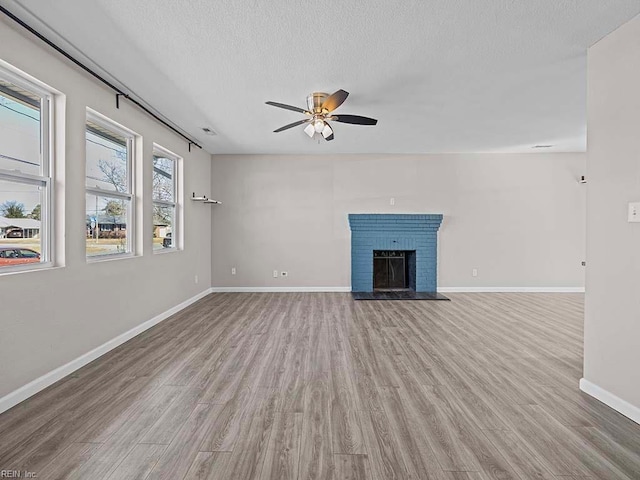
(309, 130)
(319, 108)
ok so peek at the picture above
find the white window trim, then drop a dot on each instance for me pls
(47, 207)
(130, 195)
(176, 228)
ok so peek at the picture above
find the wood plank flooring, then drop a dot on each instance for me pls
(317, 386)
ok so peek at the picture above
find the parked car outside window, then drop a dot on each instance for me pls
(10, 255)
(14, 234)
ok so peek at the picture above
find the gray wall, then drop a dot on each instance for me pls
(50, 317)
(612, 325)
(518, 219)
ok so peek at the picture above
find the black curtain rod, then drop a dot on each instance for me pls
(119, 92)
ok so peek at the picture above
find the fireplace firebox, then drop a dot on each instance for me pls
(394, 270)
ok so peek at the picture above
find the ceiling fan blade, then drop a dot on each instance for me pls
(327, 132)
(334, 100)
(354, 119)
(288, 107)
(291, 125)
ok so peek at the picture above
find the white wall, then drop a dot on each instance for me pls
(48, 318)
(612, 325)
(518, 219)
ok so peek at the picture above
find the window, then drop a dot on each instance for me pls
(25, 173)
(165, 199)
(109, 188)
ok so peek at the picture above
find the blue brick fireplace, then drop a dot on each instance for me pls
(416, 235)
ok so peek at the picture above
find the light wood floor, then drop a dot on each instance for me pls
(317, 386)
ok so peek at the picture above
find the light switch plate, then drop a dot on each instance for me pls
(634, 212)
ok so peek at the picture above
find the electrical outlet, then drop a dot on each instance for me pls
(392, 201)
(634, 212)
(233, 270)
(284, 274)
(474, 272)
(195, 279)
(275, 274)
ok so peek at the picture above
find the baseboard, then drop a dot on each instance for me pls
(511, 289)
(279, 289)
(441, 290)
(619, 405)
(53, 376)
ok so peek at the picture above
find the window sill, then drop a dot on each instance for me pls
(164, 250)
(29, 268)
(110, 258)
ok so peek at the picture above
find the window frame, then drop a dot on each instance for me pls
(45, 179)
(130, 196)
(161, 152)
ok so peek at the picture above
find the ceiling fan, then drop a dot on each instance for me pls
(319, 108)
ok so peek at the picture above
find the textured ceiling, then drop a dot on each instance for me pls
(440, 75)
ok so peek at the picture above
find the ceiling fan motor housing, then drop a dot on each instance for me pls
(315, 101)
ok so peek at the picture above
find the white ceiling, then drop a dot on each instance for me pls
(440, 75)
